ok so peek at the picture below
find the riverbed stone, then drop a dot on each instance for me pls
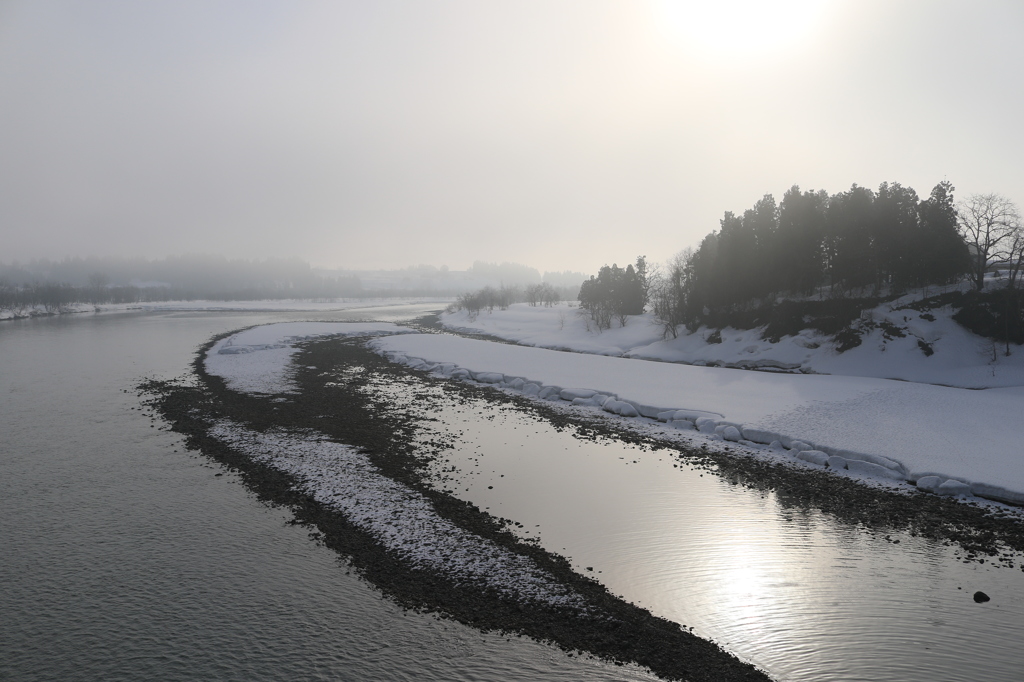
(706, 424)
(953, 487)
(731, 433)
(814, 457)
(930, 483)
(571, 394)
(875, 470)
(759, 435)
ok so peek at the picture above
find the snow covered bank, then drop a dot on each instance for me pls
(932, 349)
(258, 360)
(401, 519)
(270, 305)
(891, 430)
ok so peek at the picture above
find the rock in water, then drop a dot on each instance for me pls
(980, 597)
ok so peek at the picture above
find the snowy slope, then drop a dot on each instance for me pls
(959, 357)
(876, 427)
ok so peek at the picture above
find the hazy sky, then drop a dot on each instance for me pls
(563, 135)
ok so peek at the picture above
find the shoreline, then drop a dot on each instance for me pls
(611, 629)
(982, 533)
(207, 305)
(945, 440)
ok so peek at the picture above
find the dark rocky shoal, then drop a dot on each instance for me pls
(614, 630)
(342, 377)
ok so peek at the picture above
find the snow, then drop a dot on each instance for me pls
(258, 360)
(959, 357)
(876, 428)
(398, 517)
(269, 305)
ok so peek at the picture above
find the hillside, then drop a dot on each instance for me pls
(938, 339)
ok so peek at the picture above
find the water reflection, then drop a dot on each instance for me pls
(124, 557)
(790, 589)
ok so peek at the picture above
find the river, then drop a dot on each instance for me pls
(124, 556)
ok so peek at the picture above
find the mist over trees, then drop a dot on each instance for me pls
(59, 285)
(615, 293)
(828, 256)
(488, 298)
(856, 243)
(188, 277)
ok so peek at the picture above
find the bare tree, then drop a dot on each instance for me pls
(98, 283)
(668, 293)
(1016, 259)
(989, 223)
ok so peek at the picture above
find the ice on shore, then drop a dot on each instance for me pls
(873, 428)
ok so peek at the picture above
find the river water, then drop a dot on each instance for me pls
(123, 556)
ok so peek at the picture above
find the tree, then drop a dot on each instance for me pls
(98, 283)
(736, 266)
(849, 248)
(668, 294)
(645, 275)
(1016, 259)
(944, 255)
(799, 239)
(614, 292)
(989, 224)
(762, 221)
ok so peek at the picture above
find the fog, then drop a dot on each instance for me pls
(558, 134)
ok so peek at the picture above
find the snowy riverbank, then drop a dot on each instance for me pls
(954, 356)
(947, 440)
(269, 305)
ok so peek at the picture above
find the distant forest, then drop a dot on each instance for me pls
(55, 285)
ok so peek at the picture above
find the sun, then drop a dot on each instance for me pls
(740, 28)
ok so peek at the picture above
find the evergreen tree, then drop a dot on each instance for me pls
(897, 235)
(798, 255)
(849, 250)
(762, 221)
(613, 293)
(944, 254)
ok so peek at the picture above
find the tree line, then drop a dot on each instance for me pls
(488, 298)
(850, 243)
(860, 243)
(616, 293)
